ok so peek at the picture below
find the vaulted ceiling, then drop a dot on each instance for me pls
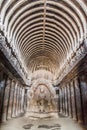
(44, 33)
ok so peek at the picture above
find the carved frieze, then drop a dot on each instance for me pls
(10, 55)
(79, 54)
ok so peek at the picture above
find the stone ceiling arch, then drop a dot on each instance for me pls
(55, 28)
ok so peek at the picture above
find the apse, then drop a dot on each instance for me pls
(42, 97)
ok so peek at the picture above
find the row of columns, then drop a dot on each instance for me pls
(73, 99)
(12, 99)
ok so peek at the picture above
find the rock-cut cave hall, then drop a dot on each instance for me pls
(43, 64)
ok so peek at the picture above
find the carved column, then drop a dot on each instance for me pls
(58, 99)
(13, 94)
(60, 95)
(78, 100)
(69, 99)
(3, 82)
(73, 101)
(11, 100)
(6, 98)
(75, 116)
(25, 100)
(20, 97)
(18, 101)
(8, 104)
(83, 91)
(66, 100)
(22, 100)
(67, 107)
(16, 107)
(14, 100)
(63, 99)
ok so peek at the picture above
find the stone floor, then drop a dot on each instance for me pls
(50, 122)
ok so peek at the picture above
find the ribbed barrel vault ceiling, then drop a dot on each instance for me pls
(44, 33)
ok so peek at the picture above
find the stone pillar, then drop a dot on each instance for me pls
(20, 98)
(63, 99)
(13, 94)
(16, 105)
(3, 82)
(18, 101)
(22, 101)
(75, 116)
(9, 92)
(58, 98)
(11, 100)
(73, 101)
(25, 100)
(83, 86)
(6, 98)
(60, 95)
(67, 110)
(66, 107)
(14, 100)
(69, 100)
(78, 101)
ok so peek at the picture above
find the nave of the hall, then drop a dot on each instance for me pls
(43, 64)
